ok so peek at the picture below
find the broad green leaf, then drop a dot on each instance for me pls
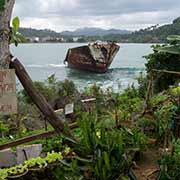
(15, 23)
(173, 38)
(172, 49)
(106, 160)
(83, 159)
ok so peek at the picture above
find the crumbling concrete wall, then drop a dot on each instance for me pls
(9, 158)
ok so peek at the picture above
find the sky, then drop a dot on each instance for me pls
(60, 15)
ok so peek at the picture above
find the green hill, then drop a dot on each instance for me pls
(152, 34)
(29, 32)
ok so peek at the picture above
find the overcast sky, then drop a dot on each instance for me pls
(62, 15)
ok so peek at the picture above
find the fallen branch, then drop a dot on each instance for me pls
(27, 139)
(36, 96)
(32, 138)
(166, 71)
(152, 172)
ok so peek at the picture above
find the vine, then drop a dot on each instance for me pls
(2, 3)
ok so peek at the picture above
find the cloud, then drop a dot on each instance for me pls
(71, 14)
(117, 7)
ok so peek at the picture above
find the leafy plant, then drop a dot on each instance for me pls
(51, 88)
(143, 85)
(159, 99)
(148, 126)
(164, 117)
(173, 47)
(101, 152)
(31, 163)
(16, 37)
(164, 57)
(3, 128)
(170, 163)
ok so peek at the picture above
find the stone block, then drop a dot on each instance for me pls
(7, 158)
(28, 152)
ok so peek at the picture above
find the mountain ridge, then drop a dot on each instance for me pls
(86, 31)
(153, 34)
(94, 31)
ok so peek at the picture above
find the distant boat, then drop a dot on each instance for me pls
(96, 57)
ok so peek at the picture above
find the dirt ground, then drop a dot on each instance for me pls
(147, 167)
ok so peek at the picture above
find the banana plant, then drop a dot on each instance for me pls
(173, 47)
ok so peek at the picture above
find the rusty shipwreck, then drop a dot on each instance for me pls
(96, 57)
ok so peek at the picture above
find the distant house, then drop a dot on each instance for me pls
(33, 39)
(75, 39)
(45, 39)
(52, 39)
(60, 39)
(36, 39)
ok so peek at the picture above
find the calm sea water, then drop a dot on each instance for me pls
(43, 60)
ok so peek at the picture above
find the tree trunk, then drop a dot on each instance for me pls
(5, 31)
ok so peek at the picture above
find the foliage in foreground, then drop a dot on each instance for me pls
(164, 57)
(170, 163)
(109, 134)
(31, 163)
(104, 153)
(99, 153)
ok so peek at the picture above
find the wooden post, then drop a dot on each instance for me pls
(148, 95)
(36, 96)
(149, 91)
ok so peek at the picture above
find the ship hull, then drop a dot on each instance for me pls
(95, 58)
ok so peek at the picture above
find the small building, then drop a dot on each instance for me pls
(33, 39)
(75, 39)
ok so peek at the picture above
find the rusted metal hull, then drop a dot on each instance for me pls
(93, 57)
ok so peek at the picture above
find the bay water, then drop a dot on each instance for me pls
(43, 60)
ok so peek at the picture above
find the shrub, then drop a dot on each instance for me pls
(164, 57)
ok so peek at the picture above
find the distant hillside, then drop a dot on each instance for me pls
(153, 34)
(160, 33)
(29, 32)
(94, 32)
